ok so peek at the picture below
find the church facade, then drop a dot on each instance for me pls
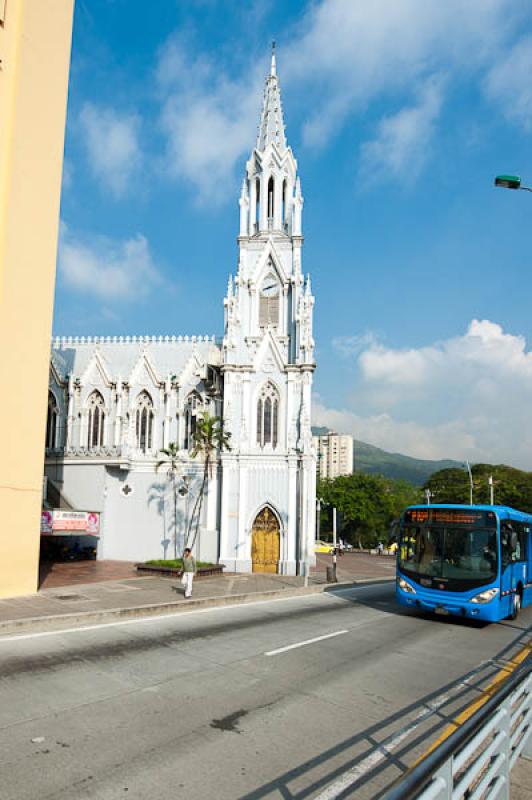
(114, 402)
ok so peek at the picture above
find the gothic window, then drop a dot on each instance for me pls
(193, 406)
(271, 189)
(95, 436)
(268, 417)
(51, 422)
(257, 205)
(144, 422)
(269, 302)
(283, 209)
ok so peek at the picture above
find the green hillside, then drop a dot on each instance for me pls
(373, 460)
(395, 465)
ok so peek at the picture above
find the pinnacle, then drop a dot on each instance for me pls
(271, 126)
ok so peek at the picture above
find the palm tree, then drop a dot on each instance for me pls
(209, 437)
(171, 461)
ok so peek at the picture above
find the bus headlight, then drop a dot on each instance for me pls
(405, 586)
(485, 597)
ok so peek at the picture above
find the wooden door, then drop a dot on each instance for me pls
(265, 542)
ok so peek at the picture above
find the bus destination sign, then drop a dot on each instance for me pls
(450, 516)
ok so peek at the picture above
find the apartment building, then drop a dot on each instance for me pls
(335, 454)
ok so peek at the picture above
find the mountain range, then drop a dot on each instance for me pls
(371, 459)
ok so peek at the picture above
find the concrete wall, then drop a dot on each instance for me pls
(138, 524)
(82, 485)
(35, 38)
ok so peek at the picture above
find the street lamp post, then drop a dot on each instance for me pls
(470, 483)
(332, 569)
(511, 182)
(490, 484)
(334, 545)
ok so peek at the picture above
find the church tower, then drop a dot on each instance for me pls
(269, 477)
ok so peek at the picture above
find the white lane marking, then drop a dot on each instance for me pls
(303, 644)
(183, 614)
(383, 750)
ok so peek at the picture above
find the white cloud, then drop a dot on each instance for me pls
(68, 172)
(112, 143)
(209, 120)
(352, 51)
(466, 397)
(402, 143)
(509, 83)
(397, 436)
(340, 56)
(110, 270)
(354, 345)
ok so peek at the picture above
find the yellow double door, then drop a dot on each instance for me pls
(265, 542)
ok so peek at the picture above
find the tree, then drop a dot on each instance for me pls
(449, 486)
(170, 460)
(366, 504)
(512, 487)
(209, 438)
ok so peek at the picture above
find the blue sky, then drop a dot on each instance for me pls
(400, 112)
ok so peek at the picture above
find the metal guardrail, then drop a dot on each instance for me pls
(475, 761)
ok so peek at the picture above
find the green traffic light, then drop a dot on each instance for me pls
(508, 181)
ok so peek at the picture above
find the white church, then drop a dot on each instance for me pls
(114, 402)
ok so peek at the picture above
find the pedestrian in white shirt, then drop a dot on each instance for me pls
(189, 570)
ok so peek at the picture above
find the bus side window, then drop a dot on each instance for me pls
(506, 544)
(524, 533)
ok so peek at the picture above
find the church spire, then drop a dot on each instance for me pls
(271, 127)
(273, 70)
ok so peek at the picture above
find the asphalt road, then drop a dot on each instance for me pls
(275, 699)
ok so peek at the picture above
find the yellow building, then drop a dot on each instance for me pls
(35, 38)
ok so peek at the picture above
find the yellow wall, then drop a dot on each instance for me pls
(35, 43)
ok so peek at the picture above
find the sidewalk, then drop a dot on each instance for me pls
(90, 602)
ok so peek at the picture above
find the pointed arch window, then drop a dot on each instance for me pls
(257, 205)
(51, 422)
(269, 301)
(283, 207)
(144, 417)
(271, 194)
(268, 417)
(96, 429)
(193, 407)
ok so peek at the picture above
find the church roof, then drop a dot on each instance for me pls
(120, 355)
(271, 127)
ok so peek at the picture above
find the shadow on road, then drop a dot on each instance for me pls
(387, 748)
(388, 605)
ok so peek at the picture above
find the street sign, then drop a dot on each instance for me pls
(56, 522)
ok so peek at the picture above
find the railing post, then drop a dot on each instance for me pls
(442, 783)
(506, 748)
(526, 752)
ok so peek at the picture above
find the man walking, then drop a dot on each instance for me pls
(189, 570)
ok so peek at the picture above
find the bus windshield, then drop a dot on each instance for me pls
(448, 557)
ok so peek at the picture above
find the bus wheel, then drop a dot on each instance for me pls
(516, 606)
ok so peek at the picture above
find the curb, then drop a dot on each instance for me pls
(59, 621)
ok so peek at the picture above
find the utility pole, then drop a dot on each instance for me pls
(428, 496)
(490, 484)
(470, 483)
(334, 545)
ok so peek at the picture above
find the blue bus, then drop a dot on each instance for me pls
(467, 561)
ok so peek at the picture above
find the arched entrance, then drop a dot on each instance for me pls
(265, 542)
